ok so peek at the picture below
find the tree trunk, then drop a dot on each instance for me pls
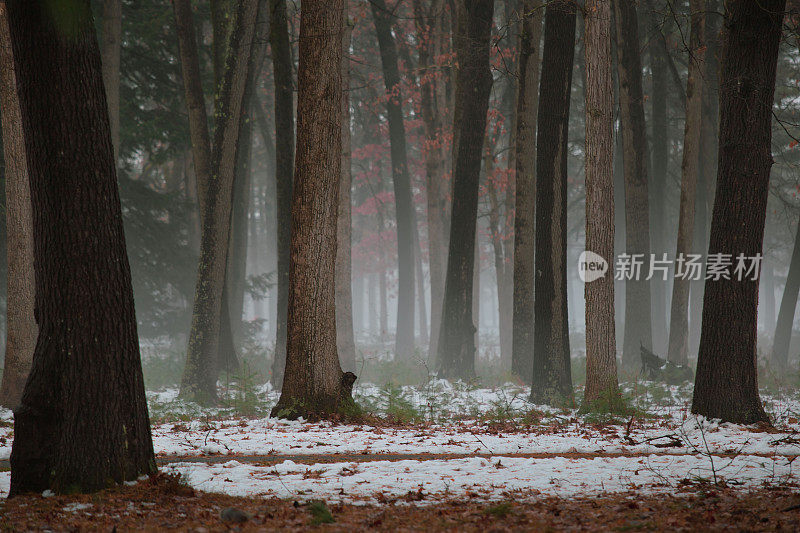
(726, 385)
(552, 379)
(110, 52)
(21, 325)
(87, 359)
(601, 350)
(659, 131)
(525, 197)
(345, 338)
(202, 366)
(456, 340)
(314, 384)
(284, 169)
(638, 322)
(427, 25)
(678, 352)
(783, 328)
(404, 336)
(707, 172)
(768, 275)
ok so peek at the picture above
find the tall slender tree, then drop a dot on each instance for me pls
(457, 336)
(726, 385)
(783, 327)
(284, 170)
(601, 348)
(314, 384)
(525, 197)
(552, 378)
(679, 316)
(404, 339)
(87, 352)
(21, 325)
(200, 374)
(638, 313)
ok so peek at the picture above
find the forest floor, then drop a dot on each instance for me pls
(456, 456)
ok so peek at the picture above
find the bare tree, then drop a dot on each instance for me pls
(601, 348)
(726, 385)
(525, 197)
(87, 352)
(552, 378)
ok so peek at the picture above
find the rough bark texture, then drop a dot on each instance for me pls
(314, 384)
(21, 326)
(284, 169)
(404, 335)
(457, 336)
(552, 378)
(202, 366)
(726, 384)
(678, 351)
(783, 327)
(345, 341)
(638, 322)
(525, 198)
(82, 423)
(110, 53)
(601, 348)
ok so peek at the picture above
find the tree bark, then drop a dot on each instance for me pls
(199, 381)
(21, 328)
(601, 349)
(638, 321)
(768, 275)
(404, 335)
(659, 131)
(110, 53)
(284, 170)
(345, 338)
(427, 25)
(525, 197)
(314, 384)
(783, 328)
(552, 379)
(456, 340)
(678, 352)
(726, 384)
(87, 352)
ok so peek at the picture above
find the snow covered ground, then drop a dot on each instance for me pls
(525, 449)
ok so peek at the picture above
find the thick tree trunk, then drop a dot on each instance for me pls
(638, 322)
(783, 328)
(678, 352)
(21, 325)
(314, 384)
(525, 197)
(202, 366)
(456, 339)
(110, 52)
(601, 350)
(284, 169)
(345, 338)
(552, 379)
(404, 336)
(91, 357)
(726, 385)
